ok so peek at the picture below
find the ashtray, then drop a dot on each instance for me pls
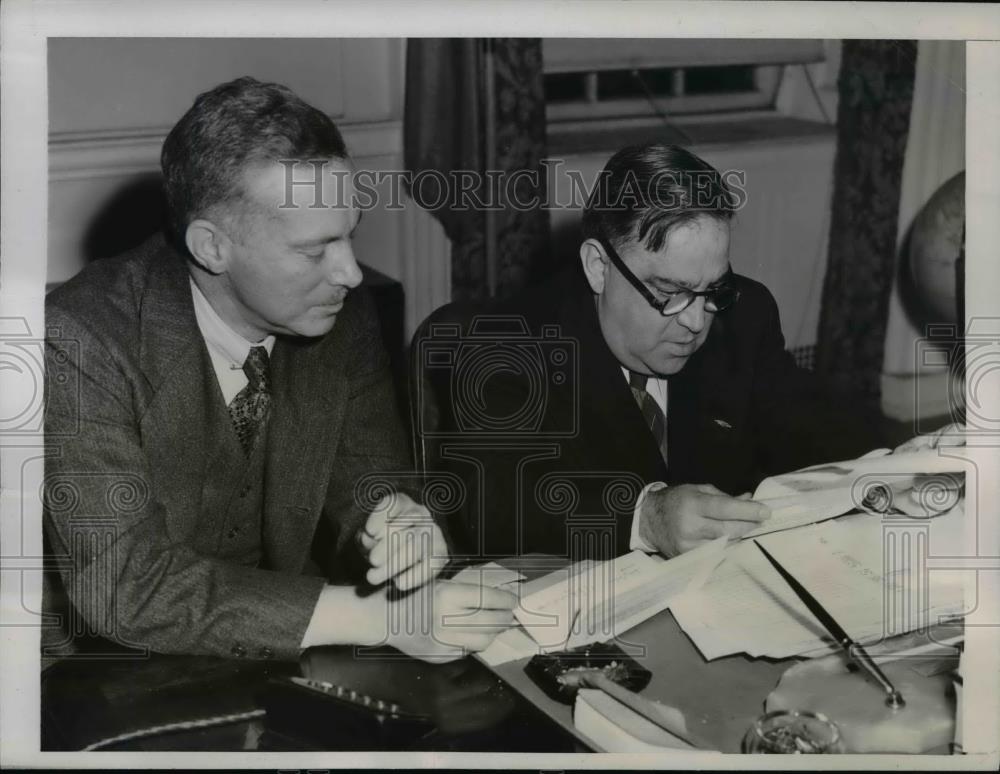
(560, 674)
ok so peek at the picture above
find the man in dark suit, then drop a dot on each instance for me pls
(673, 395)
(219, 412)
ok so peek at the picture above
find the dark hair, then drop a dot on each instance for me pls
(645, 191)
(228, 128)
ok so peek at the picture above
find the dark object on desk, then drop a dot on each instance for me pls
(327, 713)
(606, 668)
(466, 706)
(87, 700)
(553, 672)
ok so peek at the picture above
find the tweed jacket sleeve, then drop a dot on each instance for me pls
(128, 576)
(125, 434)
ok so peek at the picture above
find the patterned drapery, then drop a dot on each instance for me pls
(873, 115)
(447, 127)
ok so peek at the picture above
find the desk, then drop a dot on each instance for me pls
(85, 701)
(720, 698)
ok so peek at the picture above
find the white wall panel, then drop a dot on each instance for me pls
(112, 101)
(779, 237)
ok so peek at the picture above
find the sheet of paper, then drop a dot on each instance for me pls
(597, 601)
(510, 645)
(747, 607)
(734, 613)
(489, 574)
(947, 460)
(615, 727)
(660, 585)
(549, 606)
(826, 491)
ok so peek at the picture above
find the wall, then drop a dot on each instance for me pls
(781, 236)
(112, 101)
(778, 238)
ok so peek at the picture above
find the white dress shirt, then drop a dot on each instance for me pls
(227, 348)
(657, 388)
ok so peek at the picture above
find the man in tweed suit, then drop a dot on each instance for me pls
(215, 401)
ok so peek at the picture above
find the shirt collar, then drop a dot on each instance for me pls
(219, 335)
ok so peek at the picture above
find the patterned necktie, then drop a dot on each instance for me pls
(651, 411)
(250, 407)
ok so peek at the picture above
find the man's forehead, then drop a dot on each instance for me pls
(690, 256)
(296, 185)
(691, 280)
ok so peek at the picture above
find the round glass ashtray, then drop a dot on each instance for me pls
(788, 732)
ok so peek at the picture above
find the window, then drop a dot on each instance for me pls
(600, 78)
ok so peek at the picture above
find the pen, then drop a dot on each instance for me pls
(854, 651)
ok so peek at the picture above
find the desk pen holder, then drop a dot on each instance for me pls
(856, 702)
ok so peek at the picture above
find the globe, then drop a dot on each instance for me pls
(935, 245)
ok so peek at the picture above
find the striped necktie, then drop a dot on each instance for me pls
(651, 411)
(250, 407)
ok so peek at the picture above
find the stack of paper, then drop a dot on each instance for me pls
(598, 601)
(824, 491)
(489, 574)
(747, 607)
(613, 727)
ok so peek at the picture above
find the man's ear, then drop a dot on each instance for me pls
(208, 245)
(595, 264)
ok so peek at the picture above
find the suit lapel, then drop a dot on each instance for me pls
(611, 419)
(310, 397)
(707, 434)
(175, 364)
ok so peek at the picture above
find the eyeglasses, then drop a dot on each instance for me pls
(717, 299)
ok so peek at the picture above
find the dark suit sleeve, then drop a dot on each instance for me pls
(530, 492)
(373, 456)
(797, 422)
(128, 578)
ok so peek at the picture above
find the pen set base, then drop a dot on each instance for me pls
(857, 703)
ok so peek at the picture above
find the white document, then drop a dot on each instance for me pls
(655, 592)
(596, 601)
(489, 574)
(848, 565)
(643, 586)
(616, 728)
(510, 645)
(825, 491)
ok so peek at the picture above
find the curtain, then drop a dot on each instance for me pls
(875, 94)
(474, 105)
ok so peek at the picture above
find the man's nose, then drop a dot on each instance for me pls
(344, 269)
(694, 317)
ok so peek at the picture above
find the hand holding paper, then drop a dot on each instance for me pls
(403, 543)
(679, 518)
(824, 491)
